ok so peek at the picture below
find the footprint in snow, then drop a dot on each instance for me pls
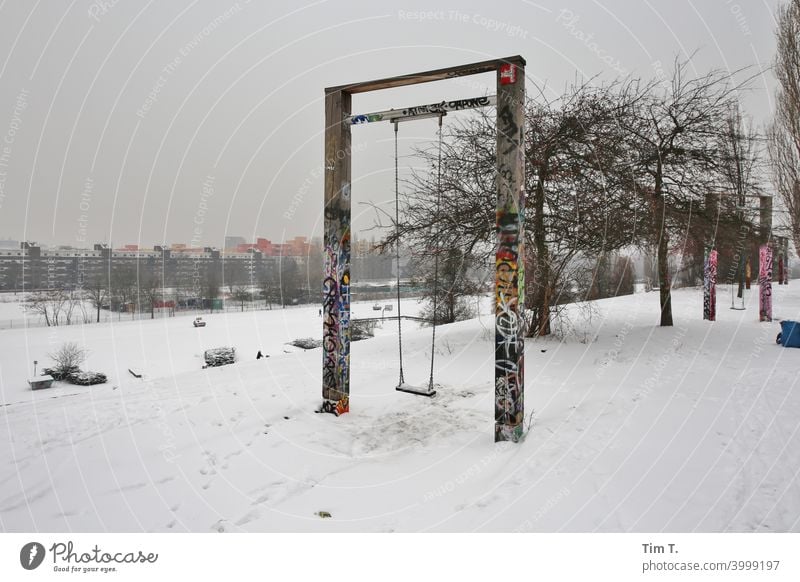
(251, 515)
(235, 453)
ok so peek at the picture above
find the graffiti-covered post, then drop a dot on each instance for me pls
(509, 380)
(336, 281)
(710, 286)
(765, 259)
(765, 283)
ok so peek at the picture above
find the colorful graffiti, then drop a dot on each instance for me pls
(429, 109)
(710, 286)
(337, 407)
(509, 269)
(765, 283)
(445, 106)
(360, 119)
(336, 307)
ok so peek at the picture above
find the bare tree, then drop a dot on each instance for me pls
(579, 203)
(51, 305)
(575, 201)
(291, 281)
(673, 157)
(150, 291)
(72, 299)
(448, 288)
(741, 180)
(123, 285)
(234, 274)
(98, 292)
(211, 285)
(68, 359)
(611, 275)
(784, 133)
(267, 288)
(242, 294)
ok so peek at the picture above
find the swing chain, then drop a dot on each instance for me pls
(397, 248)
(436, 252)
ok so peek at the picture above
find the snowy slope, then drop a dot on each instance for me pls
(635, 427)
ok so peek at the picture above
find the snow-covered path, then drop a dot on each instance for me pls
(635, 428)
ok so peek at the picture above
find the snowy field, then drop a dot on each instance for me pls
(634, 428)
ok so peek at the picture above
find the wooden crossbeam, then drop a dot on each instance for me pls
(439, 108)
(428, 76)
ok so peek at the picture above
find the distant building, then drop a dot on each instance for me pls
(231, 242)
(296, 247)
(32, 268)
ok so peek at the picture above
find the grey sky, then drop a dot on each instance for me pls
(130, 121)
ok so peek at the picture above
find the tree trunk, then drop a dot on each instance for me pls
(796, 235)
(98, 313)
(660, 221)
(541, 274)
(663, 275)
(543, 269)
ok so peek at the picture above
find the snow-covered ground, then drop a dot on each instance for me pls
(634, 427)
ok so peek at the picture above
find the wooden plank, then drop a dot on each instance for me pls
(509, 376)
(441, 107)
(428, 76)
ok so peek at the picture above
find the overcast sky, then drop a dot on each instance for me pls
(136, 122)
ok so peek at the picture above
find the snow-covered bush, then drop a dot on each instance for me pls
(306, 343)
(87, 378)
(68, 359)
(219, 356)
(361, 330)
(59, 373)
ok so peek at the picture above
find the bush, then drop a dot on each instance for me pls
(68, 359)
(76, 376)
(361, 330)
(306, 343)
(87, 378)
(59, 374)
(219, 357)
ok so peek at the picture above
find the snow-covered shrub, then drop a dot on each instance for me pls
(68, 358)
(87, 378)
(219, 356)
(306, 343)
(361, 330)
(60, 374)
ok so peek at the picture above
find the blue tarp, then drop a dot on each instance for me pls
(790, 334)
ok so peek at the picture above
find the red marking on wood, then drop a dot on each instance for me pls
(508, 74)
